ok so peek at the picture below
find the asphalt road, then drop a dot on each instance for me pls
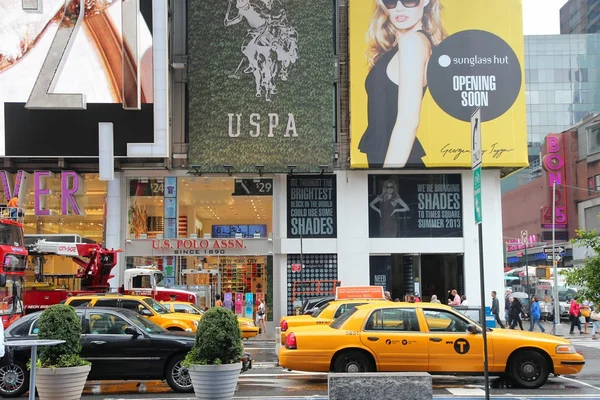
(267, 381)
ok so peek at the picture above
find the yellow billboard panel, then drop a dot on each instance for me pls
(418, 71)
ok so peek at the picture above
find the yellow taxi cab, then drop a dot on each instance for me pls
(425, 337)
(345, 298)
(323, 315)
(143, 305)
(248, 327)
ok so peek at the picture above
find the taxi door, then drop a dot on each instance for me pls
(395, 337)
(451, 347)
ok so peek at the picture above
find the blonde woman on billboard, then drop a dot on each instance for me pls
(401, 37)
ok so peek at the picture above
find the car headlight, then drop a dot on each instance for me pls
(195, 323)
(565, 349)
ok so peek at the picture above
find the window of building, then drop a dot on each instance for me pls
(597, 179)
(591, 218)
(87, 221)
(591, 185)
(594, 140)
(145, 207)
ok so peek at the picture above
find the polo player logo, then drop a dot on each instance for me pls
(270, 46)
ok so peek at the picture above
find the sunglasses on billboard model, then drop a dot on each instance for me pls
(391, 4)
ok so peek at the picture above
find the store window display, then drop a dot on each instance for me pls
(145, 208)
(62, 210)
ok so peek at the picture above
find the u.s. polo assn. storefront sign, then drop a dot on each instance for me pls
(198, 247)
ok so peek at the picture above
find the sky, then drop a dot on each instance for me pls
(541, 17)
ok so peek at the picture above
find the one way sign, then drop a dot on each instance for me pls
(557, 250)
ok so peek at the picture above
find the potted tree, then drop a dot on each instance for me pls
(61, 372)
(214, 363)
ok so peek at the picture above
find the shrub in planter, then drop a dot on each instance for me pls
(63, 372)
(214, 362)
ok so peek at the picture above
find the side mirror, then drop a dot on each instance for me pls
(145, 312)
(130, 330)
(473, 329)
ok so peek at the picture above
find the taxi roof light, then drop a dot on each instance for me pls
(290, 341)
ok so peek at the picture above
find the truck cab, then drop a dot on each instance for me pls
(150, 281)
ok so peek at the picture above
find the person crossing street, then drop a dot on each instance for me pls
(496, 309)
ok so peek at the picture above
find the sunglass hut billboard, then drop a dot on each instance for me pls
(418, 71)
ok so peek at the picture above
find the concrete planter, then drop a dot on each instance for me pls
(61, 383)
(215, 382)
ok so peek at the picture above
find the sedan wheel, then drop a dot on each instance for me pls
(178, 376)
(14, 379)
(352, 362)
(529, 369)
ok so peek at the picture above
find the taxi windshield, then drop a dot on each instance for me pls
(156, 306)
(319, 310)
(339, 321)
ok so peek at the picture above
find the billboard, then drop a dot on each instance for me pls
(415, 206)
(260, 79)
(420, 68)
(68, 65)
(311, 206)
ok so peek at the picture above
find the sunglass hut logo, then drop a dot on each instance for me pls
(473, 69)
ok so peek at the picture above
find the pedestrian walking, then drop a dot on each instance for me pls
(387, 295)
(262, 310)
(516, 309)
(574, 314)
(586, 311)
(595, 318)
(496, 309)
(434, 299)
(218, 301)
(536, 315)
(463, 300)
(507, 306)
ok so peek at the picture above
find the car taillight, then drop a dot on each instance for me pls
(290, 341)
(284, 325)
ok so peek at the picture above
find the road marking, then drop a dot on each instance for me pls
(579, 382)
(466, 392)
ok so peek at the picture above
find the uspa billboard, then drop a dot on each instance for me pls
(68, 65)
(420, 68)
(260, 76)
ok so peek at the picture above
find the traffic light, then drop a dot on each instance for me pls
(542, 272)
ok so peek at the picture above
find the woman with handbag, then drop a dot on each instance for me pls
(586, 311)
(595, 317)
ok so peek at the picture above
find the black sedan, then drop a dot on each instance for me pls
(119, 343)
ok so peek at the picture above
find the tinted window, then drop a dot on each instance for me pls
(393, 319)
(142, 282)
(132, 305)
(445, 321)
(107, 303)
(345, 307)
(338, 322)
(319, 310)
(33, 330)
(106, 324)
(78, 302)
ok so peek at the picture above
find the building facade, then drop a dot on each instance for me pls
(561, 91)
(580, 16)
(240, 174)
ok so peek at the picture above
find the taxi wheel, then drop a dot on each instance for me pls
(529, 369)
(352, 361)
